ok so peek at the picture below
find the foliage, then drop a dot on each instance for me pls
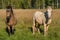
(28, 4)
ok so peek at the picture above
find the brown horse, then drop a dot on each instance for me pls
(10, 20)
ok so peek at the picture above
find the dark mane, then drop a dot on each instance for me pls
(46, 16)
(9, 7)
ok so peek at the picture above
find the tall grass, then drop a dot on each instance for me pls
(23, 27)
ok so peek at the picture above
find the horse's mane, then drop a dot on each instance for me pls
(10, 7)
(46, 16)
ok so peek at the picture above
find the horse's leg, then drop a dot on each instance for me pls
(8, 30)
(34, 26)
(45, 29)
(49, 21)
(12, 29)
(34, 29)
(38, 28)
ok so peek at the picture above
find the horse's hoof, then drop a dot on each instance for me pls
(12, 32)
(44, 35)
(9, 35)
(33, 33)
(38, 31)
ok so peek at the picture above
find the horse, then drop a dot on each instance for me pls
(10, 20)
(42, 18)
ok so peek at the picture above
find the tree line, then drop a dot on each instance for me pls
(30, 4)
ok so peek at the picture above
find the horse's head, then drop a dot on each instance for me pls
(49, 11)
(9, 10)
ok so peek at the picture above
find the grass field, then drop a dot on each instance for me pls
(23, 27)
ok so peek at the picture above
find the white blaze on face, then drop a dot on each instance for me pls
(8, 12)
(49, 12)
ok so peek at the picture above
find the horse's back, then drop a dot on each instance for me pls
(39, 17)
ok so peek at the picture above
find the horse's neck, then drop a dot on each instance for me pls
(47, 15)
(12, 16)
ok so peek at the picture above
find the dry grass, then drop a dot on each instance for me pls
(26, 14)
(24, 18)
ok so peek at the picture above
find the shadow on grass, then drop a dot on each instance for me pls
(41, 31)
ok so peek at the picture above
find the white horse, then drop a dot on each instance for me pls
(42, 19)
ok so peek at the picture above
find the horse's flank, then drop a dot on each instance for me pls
(39, 16)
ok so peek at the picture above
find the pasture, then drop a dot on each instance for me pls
(24, 24)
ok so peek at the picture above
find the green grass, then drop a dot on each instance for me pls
(23, 31)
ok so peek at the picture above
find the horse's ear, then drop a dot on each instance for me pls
(49, 7)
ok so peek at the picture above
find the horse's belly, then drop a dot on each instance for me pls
(12, 22)
(40, 19)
